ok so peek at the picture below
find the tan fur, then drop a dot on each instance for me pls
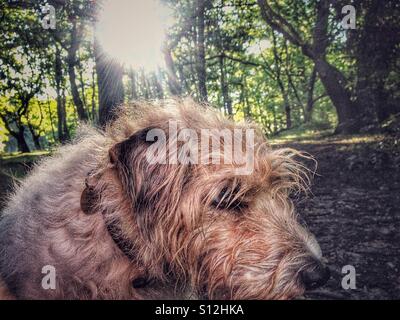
(182, 245)
(4, 293)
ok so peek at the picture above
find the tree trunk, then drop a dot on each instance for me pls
(248, 107)
(158, 89)
(184, 80)
(310, 96)
(145, 89)
(274, 119)
(332, 79)
(75, 93)
(64, 111)
(376, 60)
(111, 89)
(51, 119)
(173, 82)
(20, 137)
(286, 103)
(284, 91)
(61, 113)
(334, 82)
(72, 50)
(82, 85)
(245, 99)
(224, 87)
(35, 138)
(94, 113)
(288, 112)
(201, 52)
(133, 94)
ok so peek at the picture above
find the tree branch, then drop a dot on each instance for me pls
(279, 24)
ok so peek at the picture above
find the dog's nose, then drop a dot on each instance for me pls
(314, 275)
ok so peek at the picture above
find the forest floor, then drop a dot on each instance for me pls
(14, 167)
(354, 212)
(353, 209)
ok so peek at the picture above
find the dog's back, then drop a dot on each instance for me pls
(42, 224)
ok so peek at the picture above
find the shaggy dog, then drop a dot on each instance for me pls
(108, 223)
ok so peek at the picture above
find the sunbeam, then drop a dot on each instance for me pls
(133, 31)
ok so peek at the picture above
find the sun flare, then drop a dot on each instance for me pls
(133, 31)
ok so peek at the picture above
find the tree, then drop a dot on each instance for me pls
(75, 40)
(310, 96)
(109, 80)
(334, 81)
(74, 19)
(21, 72)
(59, 81)
(173, 82)
(201, 54)
(375, 46)
(273, 62)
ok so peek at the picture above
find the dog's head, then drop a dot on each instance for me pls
(225, 225)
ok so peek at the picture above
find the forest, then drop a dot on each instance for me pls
(321, 76)
(283, 64)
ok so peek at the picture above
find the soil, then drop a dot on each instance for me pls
(354, 213)
(11, 172)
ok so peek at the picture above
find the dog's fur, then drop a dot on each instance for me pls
(174, 241)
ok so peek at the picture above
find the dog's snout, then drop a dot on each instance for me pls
(314, 275)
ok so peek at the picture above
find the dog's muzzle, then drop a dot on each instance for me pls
(315, 274)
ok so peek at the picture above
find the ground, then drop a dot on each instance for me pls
(353, 209)
(12, 168)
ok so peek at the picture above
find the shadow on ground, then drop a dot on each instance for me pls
(354, 212)
(12, 169)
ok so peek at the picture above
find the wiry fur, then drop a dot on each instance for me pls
(182, 244)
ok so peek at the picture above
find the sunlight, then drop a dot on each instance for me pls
(132, 31)
(259, 47)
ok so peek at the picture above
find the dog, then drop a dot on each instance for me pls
(118, 214)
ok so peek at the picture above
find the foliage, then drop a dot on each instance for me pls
(257, 60)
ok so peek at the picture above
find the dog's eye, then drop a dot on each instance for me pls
(228, 199)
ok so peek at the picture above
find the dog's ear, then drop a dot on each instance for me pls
(120, 152)
(122, 157)
(149, 182)
(128, 159)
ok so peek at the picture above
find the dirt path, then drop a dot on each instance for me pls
(354, 212)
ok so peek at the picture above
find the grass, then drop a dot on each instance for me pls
(317, 134)
(15, 165)
(313, 133)
(19, 157)
(303, 133)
